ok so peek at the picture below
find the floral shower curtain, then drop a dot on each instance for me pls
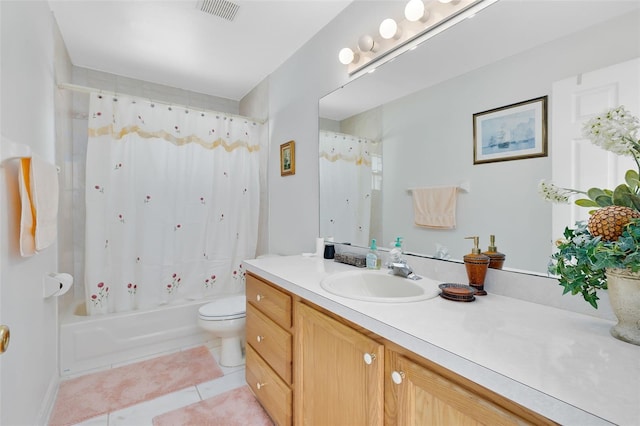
(172, 203)
(346, 186)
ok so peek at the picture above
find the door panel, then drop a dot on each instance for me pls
(576, 162)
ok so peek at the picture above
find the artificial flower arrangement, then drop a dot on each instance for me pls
(611, 237)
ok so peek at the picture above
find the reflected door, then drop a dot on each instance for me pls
(576, 162)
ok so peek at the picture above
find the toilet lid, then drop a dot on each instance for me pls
(234, 306)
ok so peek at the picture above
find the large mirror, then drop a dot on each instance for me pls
(410, 125)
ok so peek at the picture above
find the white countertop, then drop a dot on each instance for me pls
(563, 365)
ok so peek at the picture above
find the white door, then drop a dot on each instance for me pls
(575, 162)
(2, 331)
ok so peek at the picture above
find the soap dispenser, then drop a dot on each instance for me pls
(395, 255)
(496, 259)
(373, 257)
(476, 264)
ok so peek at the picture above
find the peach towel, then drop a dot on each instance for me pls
(435, 207)
(44, 196)
(38, 186)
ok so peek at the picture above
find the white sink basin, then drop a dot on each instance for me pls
(379, 286)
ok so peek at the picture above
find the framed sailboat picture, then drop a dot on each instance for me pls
(511, 132)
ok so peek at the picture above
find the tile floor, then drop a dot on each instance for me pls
(143, 413)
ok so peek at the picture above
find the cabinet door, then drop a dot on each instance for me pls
(334, 384)
(416, 395)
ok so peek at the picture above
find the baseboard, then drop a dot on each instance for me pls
(49, 400)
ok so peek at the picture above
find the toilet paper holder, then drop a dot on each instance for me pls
(56, 284)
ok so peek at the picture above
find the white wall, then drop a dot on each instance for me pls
(29, 368)
(65, 160)
(294, 91)
(255, 104)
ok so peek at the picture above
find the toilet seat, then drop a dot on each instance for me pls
(227, 308)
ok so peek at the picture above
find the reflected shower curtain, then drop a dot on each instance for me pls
(172, 203)
(345, 187)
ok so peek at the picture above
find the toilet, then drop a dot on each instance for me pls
(225, 318)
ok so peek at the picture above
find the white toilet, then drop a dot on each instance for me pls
(225, 318)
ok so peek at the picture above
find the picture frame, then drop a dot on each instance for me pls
(511, 132)
(288, 158)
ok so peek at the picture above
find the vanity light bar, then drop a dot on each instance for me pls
(418, 25)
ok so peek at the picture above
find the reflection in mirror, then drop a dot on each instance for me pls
(419, 109)
(350, 172)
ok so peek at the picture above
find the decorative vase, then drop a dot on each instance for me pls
(624, 294)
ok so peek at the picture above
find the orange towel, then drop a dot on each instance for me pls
(435, 207)
(27, 213)
(38, 187)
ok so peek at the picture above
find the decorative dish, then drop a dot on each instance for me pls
(457, 292)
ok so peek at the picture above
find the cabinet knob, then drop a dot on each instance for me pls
(397, 377)
(259, 338)
(260, 385)
(369, 358)
(259, 297)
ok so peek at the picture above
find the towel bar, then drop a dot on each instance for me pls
(464, 186)
(10, 150)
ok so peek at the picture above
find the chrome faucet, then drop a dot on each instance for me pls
(404, 270)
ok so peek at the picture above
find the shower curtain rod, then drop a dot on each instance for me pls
(85, 89)
(347, 134)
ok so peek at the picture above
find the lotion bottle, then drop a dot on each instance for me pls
(373, 257)
(476, 264)
(496, 259)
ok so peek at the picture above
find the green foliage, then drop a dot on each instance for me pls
(581, 260)
(625, 194)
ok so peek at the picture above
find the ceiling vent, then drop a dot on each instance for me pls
(221, 8)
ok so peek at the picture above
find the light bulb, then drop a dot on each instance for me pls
(366, 44)
(414, 10)
(346, 56)
(388, 28)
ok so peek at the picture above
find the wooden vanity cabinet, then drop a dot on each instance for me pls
(339, 372)
(342, 374)
(418, 395)
(269, 348)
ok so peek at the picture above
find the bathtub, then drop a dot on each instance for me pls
(97, 342)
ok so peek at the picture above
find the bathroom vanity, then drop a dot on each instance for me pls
(317, 358)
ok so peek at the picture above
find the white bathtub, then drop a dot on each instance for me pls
(94, 342)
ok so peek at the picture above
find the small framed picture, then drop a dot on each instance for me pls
(511, 132)
(288, 158)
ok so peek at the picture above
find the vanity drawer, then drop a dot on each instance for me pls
(270, 341)
(274, 395)
(273, 302)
